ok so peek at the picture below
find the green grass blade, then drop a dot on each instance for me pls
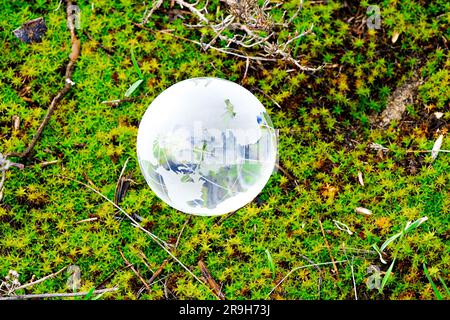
(389, 241)
(415, 224)
(89, 294)
(133, 87)
(136, 66)
(435, 289)
(271, 264)
(377, 250)
(447, 291)
(387, 275)
(98, 296)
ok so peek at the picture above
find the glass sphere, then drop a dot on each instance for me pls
(206, 146)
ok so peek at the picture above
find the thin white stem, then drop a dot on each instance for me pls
(155, 7)
(158, 241)
(304, 33)
(302, 267)
(57, 295)
(353, 278)
(193, 9)
(296, 13)
(39, 280)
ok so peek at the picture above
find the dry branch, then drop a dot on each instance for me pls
(157, 272)
(286, 173)
(148, 15)
(164, 245)
(57, 295)
(225, 217)
(247, 20)
(181, 231)
(122, 184)
(328, 247)
(68, 83)
(130, 265)
(40, 280)
(108, 51)
(193, 9)
(353, 279)
(319, 282)
(210, 280)
(302, 267)
(5, 164)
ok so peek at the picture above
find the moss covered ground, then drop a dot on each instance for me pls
(326, 138)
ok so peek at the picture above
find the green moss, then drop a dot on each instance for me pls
(325, 134)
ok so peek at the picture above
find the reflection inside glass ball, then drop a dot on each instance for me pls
(206, 146)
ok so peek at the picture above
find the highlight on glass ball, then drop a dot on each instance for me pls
(206, 146)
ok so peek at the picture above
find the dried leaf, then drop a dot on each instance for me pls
(122, 187)
(31, 31)
(438, 115)
(74, 280)
(362, 210)
(16, 122)
(395, 36)
(360, 178)
(377, 146)
(437, 147)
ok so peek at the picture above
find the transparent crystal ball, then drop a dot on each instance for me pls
(206, 146)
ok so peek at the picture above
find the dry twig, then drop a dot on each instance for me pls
(68, 83)
(57, 295)
(122, 184)
(86, 220)
(328, 247)
(135, 271)
(225, 217)
(5, 164)
(147, 15)
(319, 282)
(40, 280)
(247, 19)
(302, 267)
(181, 231)
(108, 51)
(286, 173)
(210, 280)
(158, 272)
(353, 279)
(164, 245)
(352, 270)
